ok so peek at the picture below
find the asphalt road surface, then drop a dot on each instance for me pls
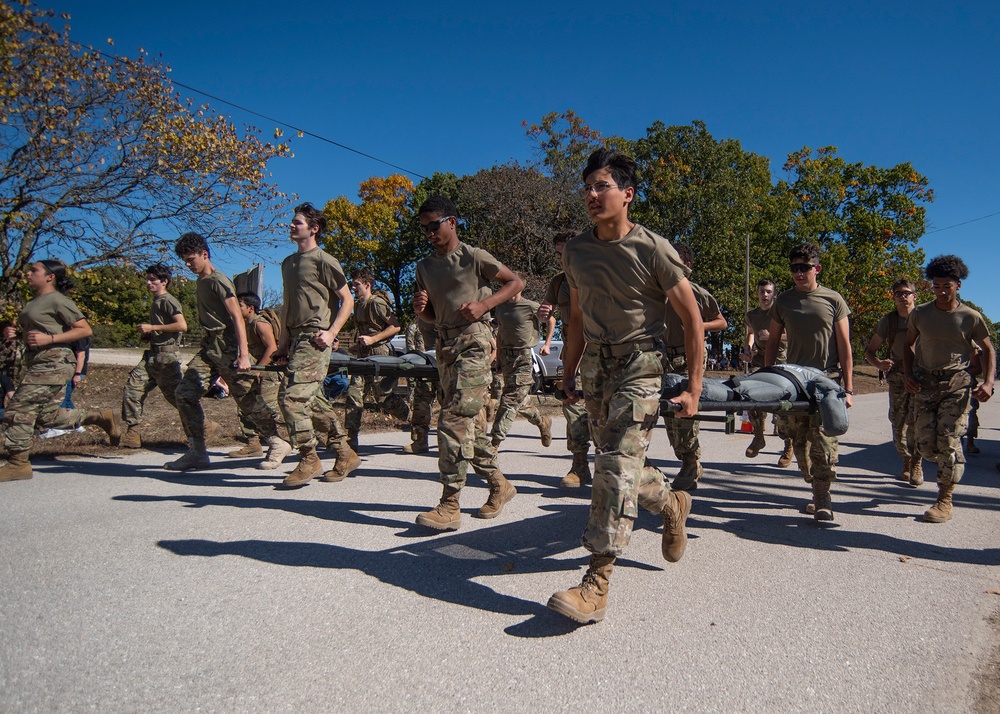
(129, 588)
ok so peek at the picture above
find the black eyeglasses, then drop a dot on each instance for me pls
(434, 225)
(801, 267)
(903, 293)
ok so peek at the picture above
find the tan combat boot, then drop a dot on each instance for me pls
(579, 472)
(675, 512)
(105, 419)
(417, 446)
(309, 465)
(195, 459)
(347, 461)
(941, 510)
(904, 475)
(690, 473)
(917, 470)
(17, 468)
(251, 448)
(277, 450)
(446, 516)
(756, 445)
(131, 438)
(785, 460)
(588, 601)
(821, 507)
(501, 492)
(545, 430)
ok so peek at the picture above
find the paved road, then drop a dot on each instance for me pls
(126, 588)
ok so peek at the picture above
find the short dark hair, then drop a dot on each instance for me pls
(904, 283)
(161, 272)
(441, 205)
(364, 275)
(191, 243)
(563, 237)
(809, 252)
(58, 268)
(947, 266)
(314, 217)
(250, 300)
(765, 281)
(621, 166)
(685, 252)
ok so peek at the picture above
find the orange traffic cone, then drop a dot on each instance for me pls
(746, 427)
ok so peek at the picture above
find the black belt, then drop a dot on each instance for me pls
(164, 348)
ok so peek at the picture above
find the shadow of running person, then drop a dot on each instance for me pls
(443, 568)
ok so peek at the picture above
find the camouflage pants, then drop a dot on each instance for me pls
(464, 382)
(577, 428)
(301, 393)
(682, 433)
(157, 369)
(424, 392)
(382, 390)
(901, 416)
(216, 357)
(622, 395)
(815, 452)
(36, 399)
(266, 385)
(942, 409)
(515, 365)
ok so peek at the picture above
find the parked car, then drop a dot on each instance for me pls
(548, 369)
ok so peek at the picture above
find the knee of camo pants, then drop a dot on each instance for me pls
(613, 503)
(683, 436)
(822, 454)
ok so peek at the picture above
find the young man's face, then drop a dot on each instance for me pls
(603, 198)
(904, 297)
(155, 285)
(196, 262)
(300, 230)
(765, 296)
(362, 290)
(945, 290)
(441, 231)
(247, 311)
(560, 249)
(805, 274)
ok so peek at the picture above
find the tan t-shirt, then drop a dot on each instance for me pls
(622, 285)
(164, 309)
(898, 345)
(761, 320)
(558, 292)
(311, 281)
(708, 306)
(808, 319)
(517, 324)
(372, 316)
(213, 290)
(945, 339)
(52, 313)
(453, 279)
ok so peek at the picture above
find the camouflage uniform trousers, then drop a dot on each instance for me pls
(515, 365)
(424, 392)
(463, 387)
(622, 396)
(682, 433)
(383, 393)
(301, 394)
(267, 385)
(37, 398)
(901, 416)
(577, 428)
(942, 409)
(815, 452)
(157, 369)
(216, 357)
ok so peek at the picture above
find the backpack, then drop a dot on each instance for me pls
(271, 316)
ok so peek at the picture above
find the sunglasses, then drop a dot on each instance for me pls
(903, 293)
(801, 267)
(434, 225)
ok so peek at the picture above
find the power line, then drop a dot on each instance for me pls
(301, 132)
(946, 228)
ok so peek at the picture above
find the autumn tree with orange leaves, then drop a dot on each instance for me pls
(102, 162)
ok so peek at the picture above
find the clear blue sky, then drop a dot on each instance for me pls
(445, 86)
